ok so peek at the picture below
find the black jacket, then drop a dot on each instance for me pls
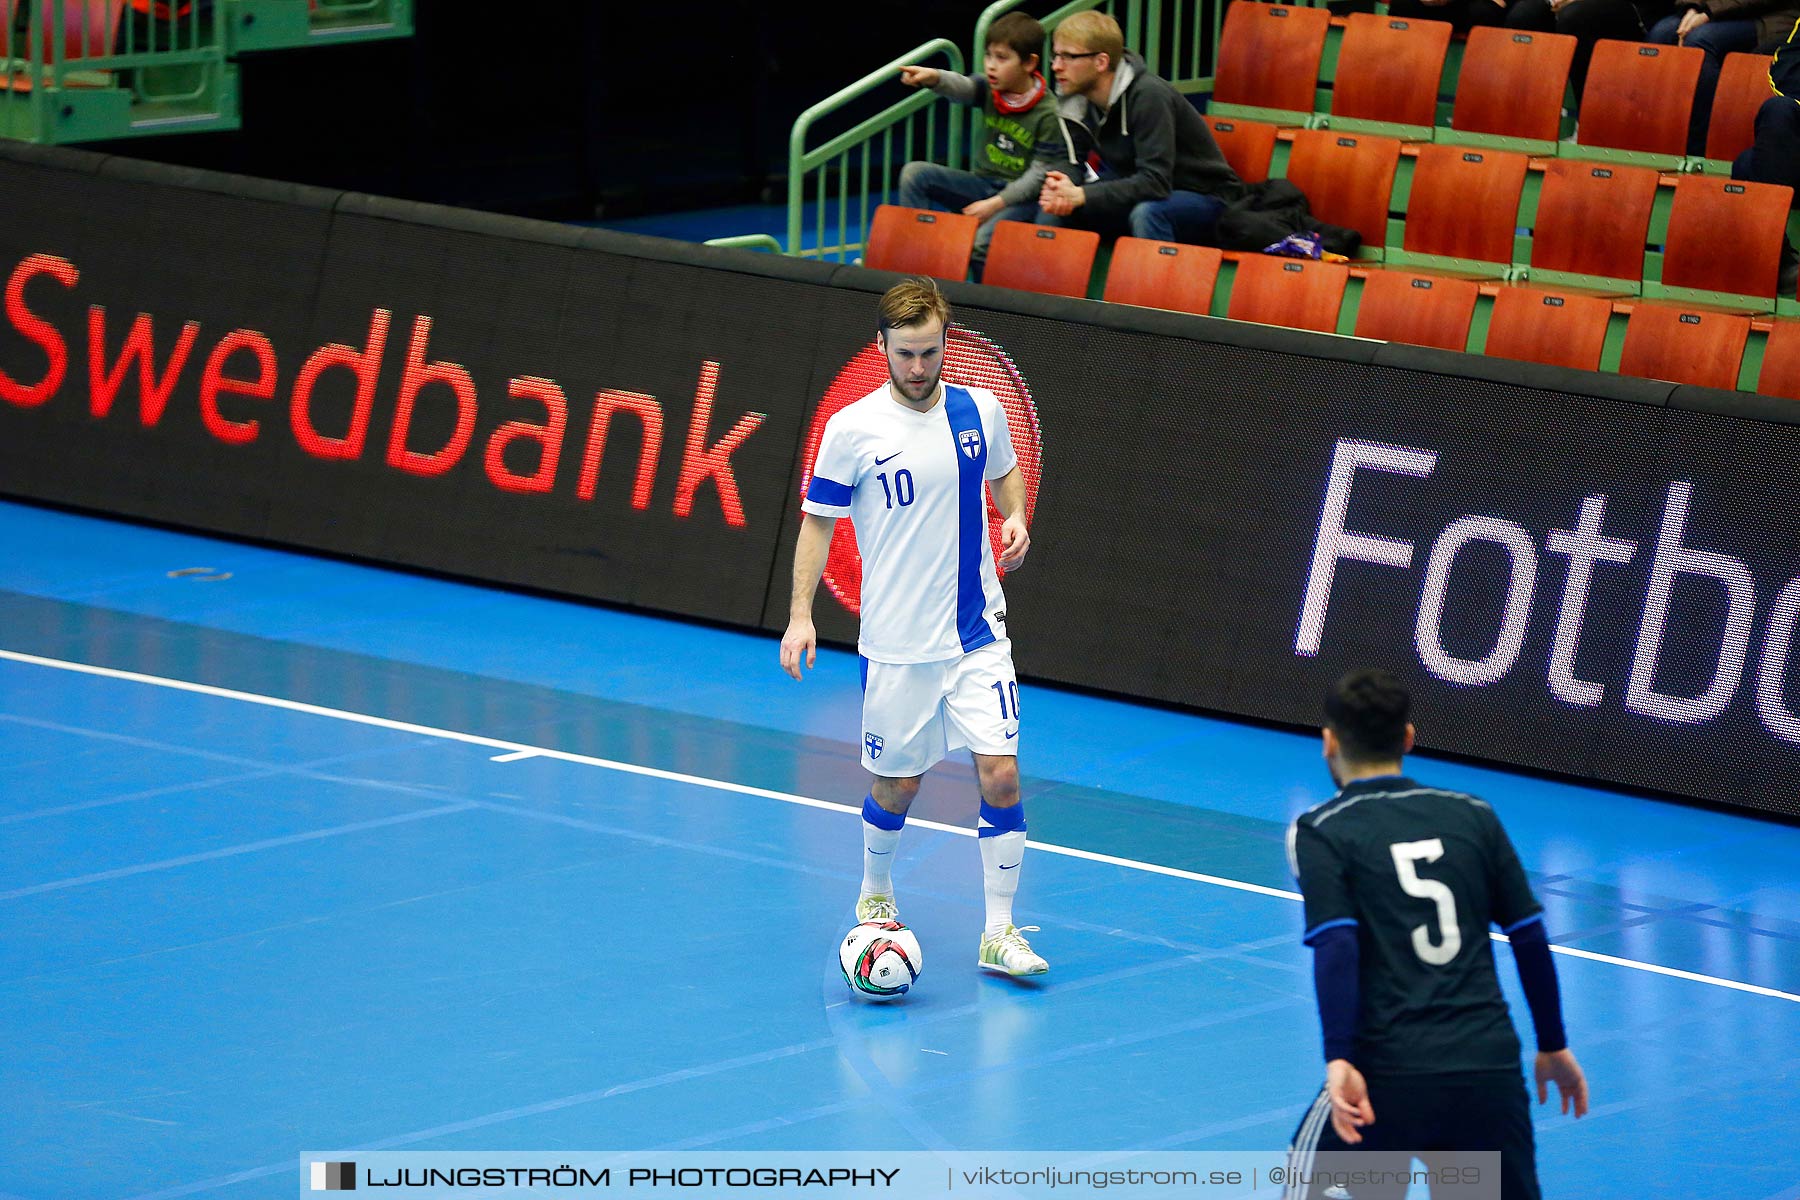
(1151, 140)
(1268, 212)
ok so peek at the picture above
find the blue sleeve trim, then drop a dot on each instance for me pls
(1509, 930)
(828, 491)
(1312, 934)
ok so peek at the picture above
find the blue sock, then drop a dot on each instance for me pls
(996, 821)
(881, 818)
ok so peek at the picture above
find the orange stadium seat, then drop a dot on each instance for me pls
(1298, 293)
(1348, 178)
(1725, 236)
(1743, 86)
(916, 242)
(1247, 145)
(1781, 362)
(1465, 203)
(1269, 57)
(1041, 258)
(1420, 310)
(1162, 275)
(1388, 69)
(1683, 346)
(1639, 97)
(1593, 219)
(1511, 83)
(1559, 328)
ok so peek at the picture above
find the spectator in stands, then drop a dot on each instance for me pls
(1134, 156)
(1587, 21)
(1720, 27)
(1463, 14)
(1018, 119)
(1774, 157)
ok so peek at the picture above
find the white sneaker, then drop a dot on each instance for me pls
(1011, 954)
(877, 908)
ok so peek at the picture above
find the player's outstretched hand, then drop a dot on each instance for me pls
(919, 76)
(1571, 1084)
(1350, 1107)
(801, 641)
(1015, 543)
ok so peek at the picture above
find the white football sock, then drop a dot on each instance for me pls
(1000, 859)
(878, 860)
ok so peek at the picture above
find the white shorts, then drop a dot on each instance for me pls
(915, 713)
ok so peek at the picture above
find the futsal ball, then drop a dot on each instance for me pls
(880, 959)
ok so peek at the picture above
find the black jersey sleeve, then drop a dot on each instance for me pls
(1324, 881)
(1513, 901)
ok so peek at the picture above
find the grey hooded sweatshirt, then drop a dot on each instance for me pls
(1146, 142)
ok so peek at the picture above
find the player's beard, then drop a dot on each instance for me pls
(918, 393)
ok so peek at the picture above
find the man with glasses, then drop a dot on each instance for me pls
(1136, 157)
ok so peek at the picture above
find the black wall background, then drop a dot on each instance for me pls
(563, 110)
(1184, 459)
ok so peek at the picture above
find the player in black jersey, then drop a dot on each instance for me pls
(1401, 882)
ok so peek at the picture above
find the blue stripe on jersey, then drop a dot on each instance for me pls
(971, 517)
(828, 491)
(1520, 924)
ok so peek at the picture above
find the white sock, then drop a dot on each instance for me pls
(1000, 859)
(878, 860)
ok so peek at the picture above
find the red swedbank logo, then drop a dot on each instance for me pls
(970, 360)
(521, 456)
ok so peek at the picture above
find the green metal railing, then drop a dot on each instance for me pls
(286, 24)
(863, 156)
(749, 241)
(856, 167)
(86, 69)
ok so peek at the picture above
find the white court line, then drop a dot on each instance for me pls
(520, 750)
(515, 756)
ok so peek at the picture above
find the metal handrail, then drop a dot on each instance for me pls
(1154, 27)
(801, 160)
(748, 241)
(182, 48)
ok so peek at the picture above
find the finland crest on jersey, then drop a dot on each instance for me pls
(914, 486)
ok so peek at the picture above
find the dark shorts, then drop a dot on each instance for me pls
(1420, 1114)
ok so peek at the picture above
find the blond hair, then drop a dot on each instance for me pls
(912, 302)
(1094, 30)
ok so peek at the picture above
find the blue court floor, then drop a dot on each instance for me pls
(307, 855)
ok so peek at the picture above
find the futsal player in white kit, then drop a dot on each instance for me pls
(909, 464)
